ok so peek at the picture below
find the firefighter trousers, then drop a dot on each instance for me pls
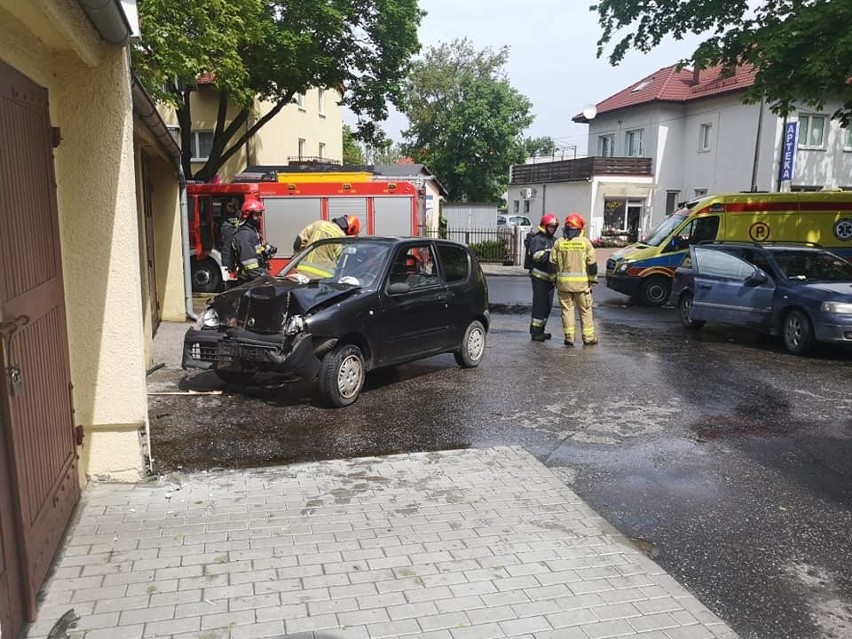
(542, 304)
(582, 300)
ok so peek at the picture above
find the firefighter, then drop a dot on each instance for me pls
(226, 238)
(576, 272)
(542, 274)
(321, 229)
(251, 253)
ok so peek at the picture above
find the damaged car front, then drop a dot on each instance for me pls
(286, 325)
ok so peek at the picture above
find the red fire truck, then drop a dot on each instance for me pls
(385, 208)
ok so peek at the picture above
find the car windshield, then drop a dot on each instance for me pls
(663, 230)
(345, 263)
(813, 266)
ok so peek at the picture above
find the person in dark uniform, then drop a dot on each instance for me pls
(251, 253)
(226, 238)
(542, 274)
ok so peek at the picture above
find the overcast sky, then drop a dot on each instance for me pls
(552, 61)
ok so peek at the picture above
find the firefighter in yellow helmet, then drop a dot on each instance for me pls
(576, 273)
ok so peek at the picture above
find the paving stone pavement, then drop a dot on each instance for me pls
(462, 544)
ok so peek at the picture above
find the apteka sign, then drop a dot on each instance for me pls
(788, 158)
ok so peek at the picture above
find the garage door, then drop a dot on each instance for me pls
(38, 469)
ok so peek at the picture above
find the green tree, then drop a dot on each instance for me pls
(272, 50)
(389, 153)
(802, 49)
(539, 147)
(465, 119)
(352, 153)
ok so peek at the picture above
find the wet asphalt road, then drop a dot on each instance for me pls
(726, 459)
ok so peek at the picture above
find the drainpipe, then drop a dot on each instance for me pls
(184, 231)
(757, 149)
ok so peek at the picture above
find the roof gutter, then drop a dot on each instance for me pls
(110, 20)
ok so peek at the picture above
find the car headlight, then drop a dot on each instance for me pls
(209, 319)
(837, 307)
(622, 268)
(295, 324)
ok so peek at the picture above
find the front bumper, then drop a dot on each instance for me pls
(206, 349)
(835, 328)
(623, 283)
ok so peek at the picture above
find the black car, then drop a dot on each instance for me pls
(343, 307)
(803, 294)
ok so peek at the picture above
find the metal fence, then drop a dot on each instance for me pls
(503, 245)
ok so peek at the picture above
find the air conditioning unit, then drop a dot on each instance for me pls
(526, 193)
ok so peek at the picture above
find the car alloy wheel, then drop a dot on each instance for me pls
(685, 313)
(473, 346)
(342, 375)
(798, 333)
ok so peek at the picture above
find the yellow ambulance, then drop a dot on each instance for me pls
(644, 270)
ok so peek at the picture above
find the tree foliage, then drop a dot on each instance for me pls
(465, 119)
(802, 49)
(352, 153)
(539, 147)
(272, 50)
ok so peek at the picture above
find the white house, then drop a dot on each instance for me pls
(695, 136)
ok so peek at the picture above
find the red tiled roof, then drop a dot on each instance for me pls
(670, 85)
(205, 78)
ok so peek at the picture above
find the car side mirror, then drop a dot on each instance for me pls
(756, 279)
(397, 288)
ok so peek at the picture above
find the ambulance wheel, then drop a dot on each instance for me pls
(472, 346)
(655, 291)
(797, 331)
(684, 308)
(342, 375)
(206, 276)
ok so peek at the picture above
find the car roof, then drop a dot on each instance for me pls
(766, 246)
(392, 240)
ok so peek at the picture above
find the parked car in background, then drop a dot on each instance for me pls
(801, 293)
(514, 220)
(344, 307)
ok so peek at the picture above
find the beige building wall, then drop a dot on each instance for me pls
(279, 139)
(89, 91)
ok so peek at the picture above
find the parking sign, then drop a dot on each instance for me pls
(788, 158)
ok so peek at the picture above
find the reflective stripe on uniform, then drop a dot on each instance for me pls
(542, 275)
(314, 269)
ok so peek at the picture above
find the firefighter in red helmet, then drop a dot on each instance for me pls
(321, 229)
(576, 272)
(538, 245)
(251, 253)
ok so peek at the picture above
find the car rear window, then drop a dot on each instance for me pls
(455, 263)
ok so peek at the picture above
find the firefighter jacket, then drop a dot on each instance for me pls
(539, 251)
(323, 260)
(250, 253)
(575, 263)
(318, 230)
(226, 242)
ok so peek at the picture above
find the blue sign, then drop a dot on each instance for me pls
(788, 156)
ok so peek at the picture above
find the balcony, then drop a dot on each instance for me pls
(576, 170)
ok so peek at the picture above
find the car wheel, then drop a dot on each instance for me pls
(342, 375)
(235, 376)
(797, 332)
(472, 347)
(206, 276)
(655, 291)
(684, 308)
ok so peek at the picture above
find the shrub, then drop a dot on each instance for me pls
(491, 251)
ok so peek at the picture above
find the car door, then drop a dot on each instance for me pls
(729, 290)
(466, 291)
(414, 317)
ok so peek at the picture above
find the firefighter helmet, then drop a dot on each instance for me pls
(575, 221)
(353, 225)
(549, 219)
(251, 206)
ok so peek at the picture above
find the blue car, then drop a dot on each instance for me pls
(801, 293)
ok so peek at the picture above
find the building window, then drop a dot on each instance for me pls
(672, 198)
(704, 132)
(516, 208)
(606, 146)
(321, 103)
(301, 148)
(700, 192)
(321, 150)
(633, 144)
(811, 131)
(526, 206)
(202, 143)
(299, 99)
(847, 139)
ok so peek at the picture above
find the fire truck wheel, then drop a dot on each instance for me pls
(206, 276)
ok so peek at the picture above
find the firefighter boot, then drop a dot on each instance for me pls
(539, 337)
